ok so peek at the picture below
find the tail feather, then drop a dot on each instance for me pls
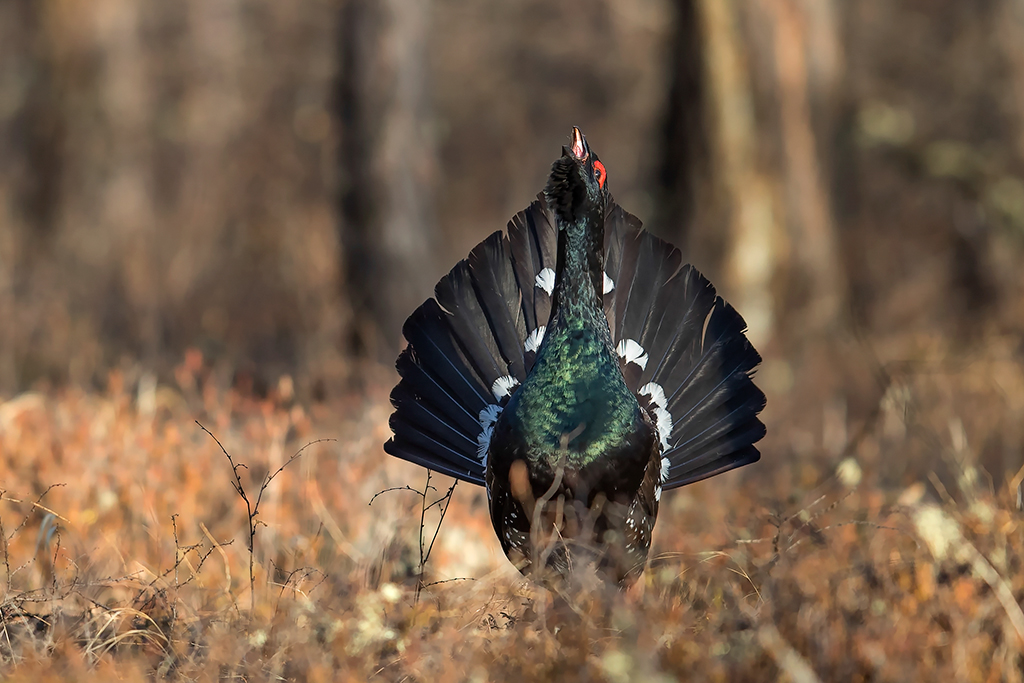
(429, 426)
(455, 293)
(437, 350)
(696, 352)
(642, 293)
(625, 271)
(533, 246)
(422, 385)
(420, 450)
(731, 431)
(720, 359)
(460, 344)
(489, 304)
(498, 293)
(622, 233)
(692, 472)
(678, 333)
(439, 399)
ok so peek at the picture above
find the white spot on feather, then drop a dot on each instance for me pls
(657, 492)
(662, 418)
(663, 421)
(632, 352)
(657, 394)
(609, 284)
(533, 342)
(546, 280)
(665, 464)
(488, 416)
(483, 443)
(503, 386)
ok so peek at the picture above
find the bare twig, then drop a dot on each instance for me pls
(442, 502)
(6, 538)
(458, 578)
(447, 499)
(395, 488)
(252, 508)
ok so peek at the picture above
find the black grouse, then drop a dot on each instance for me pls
(576, 368)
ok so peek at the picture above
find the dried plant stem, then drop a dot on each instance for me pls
(425, 548)
(252, 507)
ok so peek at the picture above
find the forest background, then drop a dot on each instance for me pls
(224, 210)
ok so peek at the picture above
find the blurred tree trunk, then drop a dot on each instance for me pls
(683, 167)
(752, 249)
(13, 68)
(387, 161)
(804, 34)
(771, 70)
(1010, 31)
(31, 136)
(31, 118)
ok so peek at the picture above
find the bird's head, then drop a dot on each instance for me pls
(577, 186)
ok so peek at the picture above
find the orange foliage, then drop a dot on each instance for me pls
(135, 563)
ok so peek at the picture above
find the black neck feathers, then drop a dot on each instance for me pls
(578, 204)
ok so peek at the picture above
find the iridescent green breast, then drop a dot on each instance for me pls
(575, 398)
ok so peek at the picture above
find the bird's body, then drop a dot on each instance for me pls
(576, 369)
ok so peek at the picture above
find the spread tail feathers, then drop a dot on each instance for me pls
(689, 361)
(684, 351)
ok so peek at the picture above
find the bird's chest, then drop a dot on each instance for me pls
(574, 404)
(569, 451)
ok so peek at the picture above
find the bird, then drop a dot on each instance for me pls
(576, 368)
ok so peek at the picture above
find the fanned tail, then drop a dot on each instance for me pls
(469, 348)
(533, 243)
(684, 353)
(683, 348)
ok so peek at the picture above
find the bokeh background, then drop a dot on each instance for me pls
(277, 185)
(224, 210)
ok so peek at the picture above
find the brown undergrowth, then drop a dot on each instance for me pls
(125, 552)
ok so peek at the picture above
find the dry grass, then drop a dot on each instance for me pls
(125, 553)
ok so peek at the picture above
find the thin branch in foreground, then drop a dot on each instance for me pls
(5, 538)
(252, 508)
(442, 502)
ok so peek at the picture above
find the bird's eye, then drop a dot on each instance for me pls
(600, 173)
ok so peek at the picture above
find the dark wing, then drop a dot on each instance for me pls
(470, 347)
(684, 353)
(467, 348)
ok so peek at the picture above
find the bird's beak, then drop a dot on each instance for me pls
(580, 150)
